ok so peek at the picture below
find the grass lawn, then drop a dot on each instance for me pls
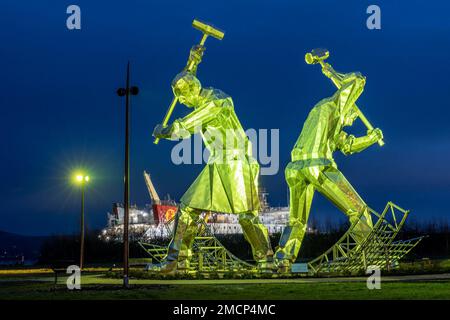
(95, 287)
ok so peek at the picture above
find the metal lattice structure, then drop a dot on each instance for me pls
(349, 254)
(378, 248)
(209, 254)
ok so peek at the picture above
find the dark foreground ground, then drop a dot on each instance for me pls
(42, 287)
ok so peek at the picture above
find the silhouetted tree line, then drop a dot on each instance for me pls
(63, 249)
(436, 241)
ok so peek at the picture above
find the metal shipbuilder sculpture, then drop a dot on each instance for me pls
(228, 183)
(312, 166)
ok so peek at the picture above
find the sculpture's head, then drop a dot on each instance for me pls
(186, 87)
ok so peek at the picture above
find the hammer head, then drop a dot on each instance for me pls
(316, 56)
(208, 29)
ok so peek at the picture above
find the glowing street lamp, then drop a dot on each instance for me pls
(82, 180)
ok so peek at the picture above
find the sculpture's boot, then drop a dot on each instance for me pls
(266, 266)
(289, 246)
(166, 267)
(170, 267)
(257, 235)
(179, 252)
(284, 266)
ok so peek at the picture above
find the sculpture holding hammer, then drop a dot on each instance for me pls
(312, 167)
(229, 182)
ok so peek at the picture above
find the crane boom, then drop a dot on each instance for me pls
(151, 189)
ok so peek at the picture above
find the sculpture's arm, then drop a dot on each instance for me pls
(354, 81)
(329, 72)
(190, 124)
(349, 92)
(195, 57)
(195, 121)
(349, 144)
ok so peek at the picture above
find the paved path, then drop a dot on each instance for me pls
(430, 277)
(96, 279)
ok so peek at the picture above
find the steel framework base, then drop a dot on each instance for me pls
(347, 255)
(378, 248)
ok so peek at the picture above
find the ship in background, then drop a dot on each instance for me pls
(152, 221)
(156, 220)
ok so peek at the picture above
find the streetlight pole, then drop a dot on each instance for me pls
(82, 228)
(82, 180)
(127, 91)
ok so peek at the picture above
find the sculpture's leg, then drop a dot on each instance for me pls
(301, 195)
(257, 235)
(334, 186)
(180, 248)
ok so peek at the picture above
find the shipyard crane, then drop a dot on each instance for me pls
(151, 189)
(163, 211)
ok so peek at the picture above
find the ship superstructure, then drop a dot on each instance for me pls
(153, 221)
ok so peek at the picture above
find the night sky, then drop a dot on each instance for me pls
(59, 110)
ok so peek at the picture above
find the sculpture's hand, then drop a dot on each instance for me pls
(162, 132)
(375, 134)
(196, 54)
(327, 70)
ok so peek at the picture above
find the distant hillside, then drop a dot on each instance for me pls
(12, 244)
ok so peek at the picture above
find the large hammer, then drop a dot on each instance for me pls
(319, 56)
(208, 30)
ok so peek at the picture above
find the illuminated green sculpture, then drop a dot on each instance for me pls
(312, 166)
(228, 183)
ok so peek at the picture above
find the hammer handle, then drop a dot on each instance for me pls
(367, 123)
(167, 116)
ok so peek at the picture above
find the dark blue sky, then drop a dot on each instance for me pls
(59, 110)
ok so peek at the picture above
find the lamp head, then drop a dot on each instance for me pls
(81, 178)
